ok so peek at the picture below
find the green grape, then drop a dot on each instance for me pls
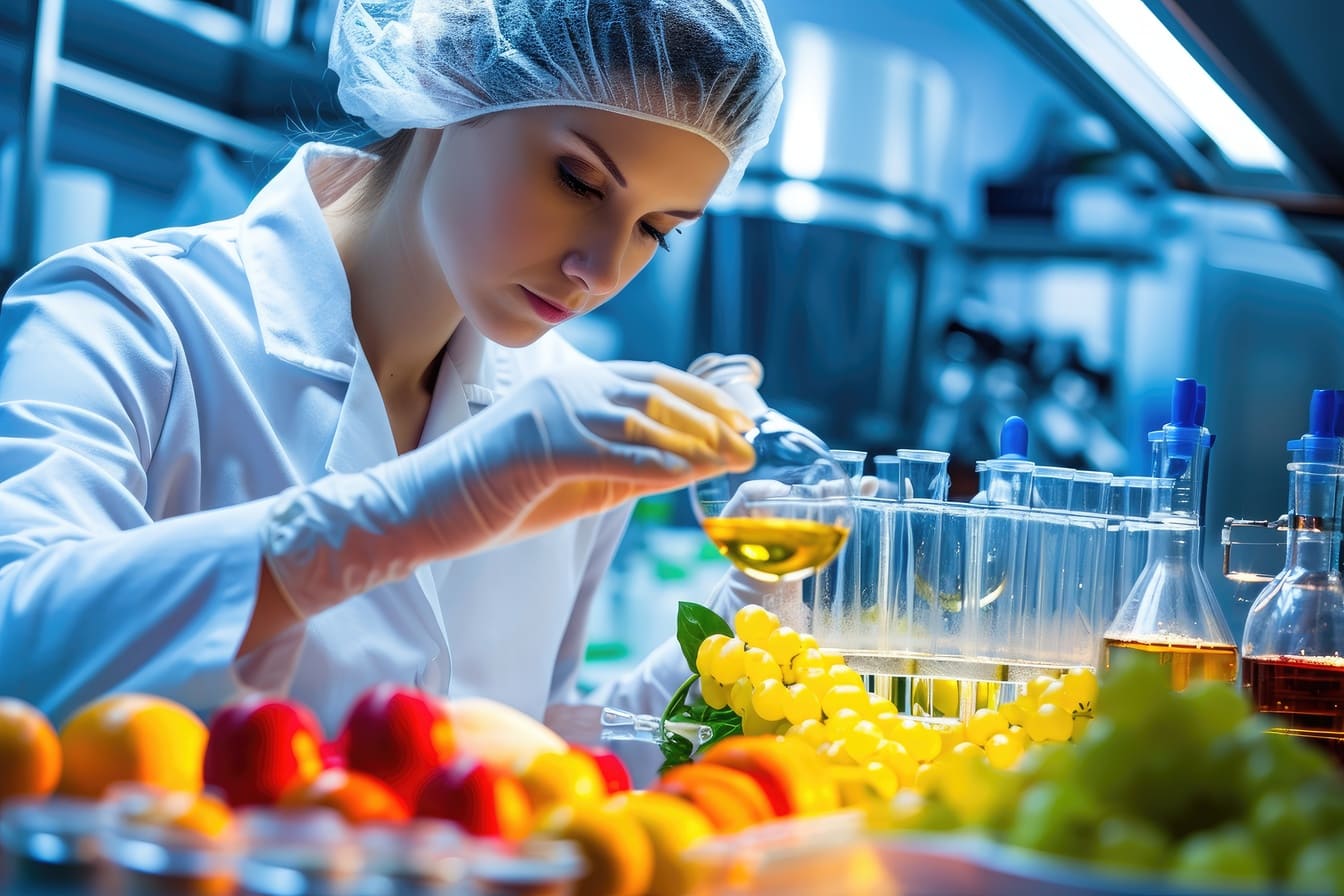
(911, 810)
(709, 649)
(1227, 854)
(1214, 708)
(1319, 868)
(1281, 824)
(784, 644)
(770, 700)
(760, 666)
(730, 663)
(803, 705)
(1131, 843)
(754, 623)
(1055, 817)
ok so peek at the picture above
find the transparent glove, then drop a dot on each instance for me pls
(575, 442)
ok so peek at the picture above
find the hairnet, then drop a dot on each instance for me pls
(709, 66)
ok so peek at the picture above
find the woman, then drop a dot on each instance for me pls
(335, 441)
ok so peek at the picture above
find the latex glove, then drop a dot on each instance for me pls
(575, 442)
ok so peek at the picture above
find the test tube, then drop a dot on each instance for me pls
(888, 467)
(1051, 487)
(922, 474)
(852, 463)
(1004, 482)
(1091, 492)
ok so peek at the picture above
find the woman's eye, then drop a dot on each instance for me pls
(573, 184)
(656, 235)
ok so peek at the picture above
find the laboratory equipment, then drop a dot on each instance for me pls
(789, 515)
(1172, 612)
(1293, 647)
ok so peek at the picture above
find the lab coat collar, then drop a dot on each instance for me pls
(298, 283)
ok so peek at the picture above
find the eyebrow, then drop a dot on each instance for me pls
(620, 178)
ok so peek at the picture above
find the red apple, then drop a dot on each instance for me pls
(614, 772)
(259, 747)
(398, 735)
(484, 801)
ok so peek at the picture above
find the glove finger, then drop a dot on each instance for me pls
(689, 388)
(674, 412)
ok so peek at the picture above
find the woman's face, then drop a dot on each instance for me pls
(538, 215)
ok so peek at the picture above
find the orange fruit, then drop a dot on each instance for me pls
(616, 850)
(131, 737)
(730, 799)
(791, 775)
(563, 779)
(30, 753)
(358, 797)
(673, 826)
(196, 813)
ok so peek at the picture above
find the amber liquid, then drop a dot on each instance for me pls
(1188, 661)
(1306, 695)
(773, 550)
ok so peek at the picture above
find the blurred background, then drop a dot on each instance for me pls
(969, 209)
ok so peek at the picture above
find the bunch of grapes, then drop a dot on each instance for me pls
(780, 681)
(1188, 785)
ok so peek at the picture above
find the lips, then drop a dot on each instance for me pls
(549, 311)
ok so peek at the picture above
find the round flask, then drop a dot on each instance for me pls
(789, 515)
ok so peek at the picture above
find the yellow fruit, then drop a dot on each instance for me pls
(500, 736)
(704, 656)
(784, 644)
(673, 826)
(715, 694)
(133, 738)
(30, 753)
(616, 850)
(754, 623)
(564, 779)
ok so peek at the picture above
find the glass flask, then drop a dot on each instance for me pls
(1171, 611)
(1293, 647)
(787, 516)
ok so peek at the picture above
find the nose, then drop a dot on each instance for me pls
(596, 266)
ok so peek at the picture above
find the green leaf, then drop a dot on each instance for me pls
(676, 751)
(695, 623)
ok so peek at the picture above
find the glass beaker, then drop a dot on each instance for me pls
(789, 515)
(1293, 646)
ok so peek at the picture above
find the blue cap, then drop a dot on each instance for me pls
(1183, 434)
(1013, 439)
(1325, 421)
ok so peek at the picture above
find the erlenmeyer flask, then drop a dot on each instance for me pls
(1293, 647)
(788, 515)
(1171, 611)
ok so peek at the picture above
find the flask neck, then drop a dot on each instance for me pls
(739, 376)
(1314, 518)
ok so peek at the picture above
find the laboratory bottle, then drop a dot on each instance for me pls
(789, 515)
(1171, 611)
(1293, 646)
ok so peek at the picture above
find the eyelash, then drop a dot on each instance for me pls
(581, 189)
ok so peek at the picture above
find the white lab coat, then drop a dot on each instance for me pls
(157, 392)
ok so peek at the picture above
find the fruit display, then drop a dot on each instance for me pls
(806, 783)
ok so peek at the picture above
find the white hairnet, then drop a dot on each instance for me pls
(709, 66)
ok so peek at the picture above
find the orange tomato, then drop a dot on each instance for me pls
(791, 775)
(730, 799)
(616, 850)
(131, 737)
(30, 753)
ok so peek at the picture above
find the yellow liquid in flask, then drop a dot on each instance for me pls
(774, 550)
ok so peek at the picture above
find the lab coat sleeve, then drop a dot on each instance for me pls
(95, 596)
(648, 687)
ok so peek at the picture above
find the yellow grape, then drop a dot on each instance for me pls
(842, 674)
(784, 644)
(894, 757)
(845, 696)
(715, 694)
(1049, 723)
(760, 666)
(835, 753)
(803, 705)
(919, 740)
(883, 779)
(730, 663)
(831, 657)
(1016, 712)
(879, 706)
(754, 623)
(985, 724)
(1037, 685)
(709, 649)
(739, 696)
(843, 722)
(889, 722)
(816, 681)
(810, 731)
(968, 750)
(771, 700)
(807, 642)
(809, 658)
(1080, 724)
(862, 741)
(1004, 750)
(753, 724)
